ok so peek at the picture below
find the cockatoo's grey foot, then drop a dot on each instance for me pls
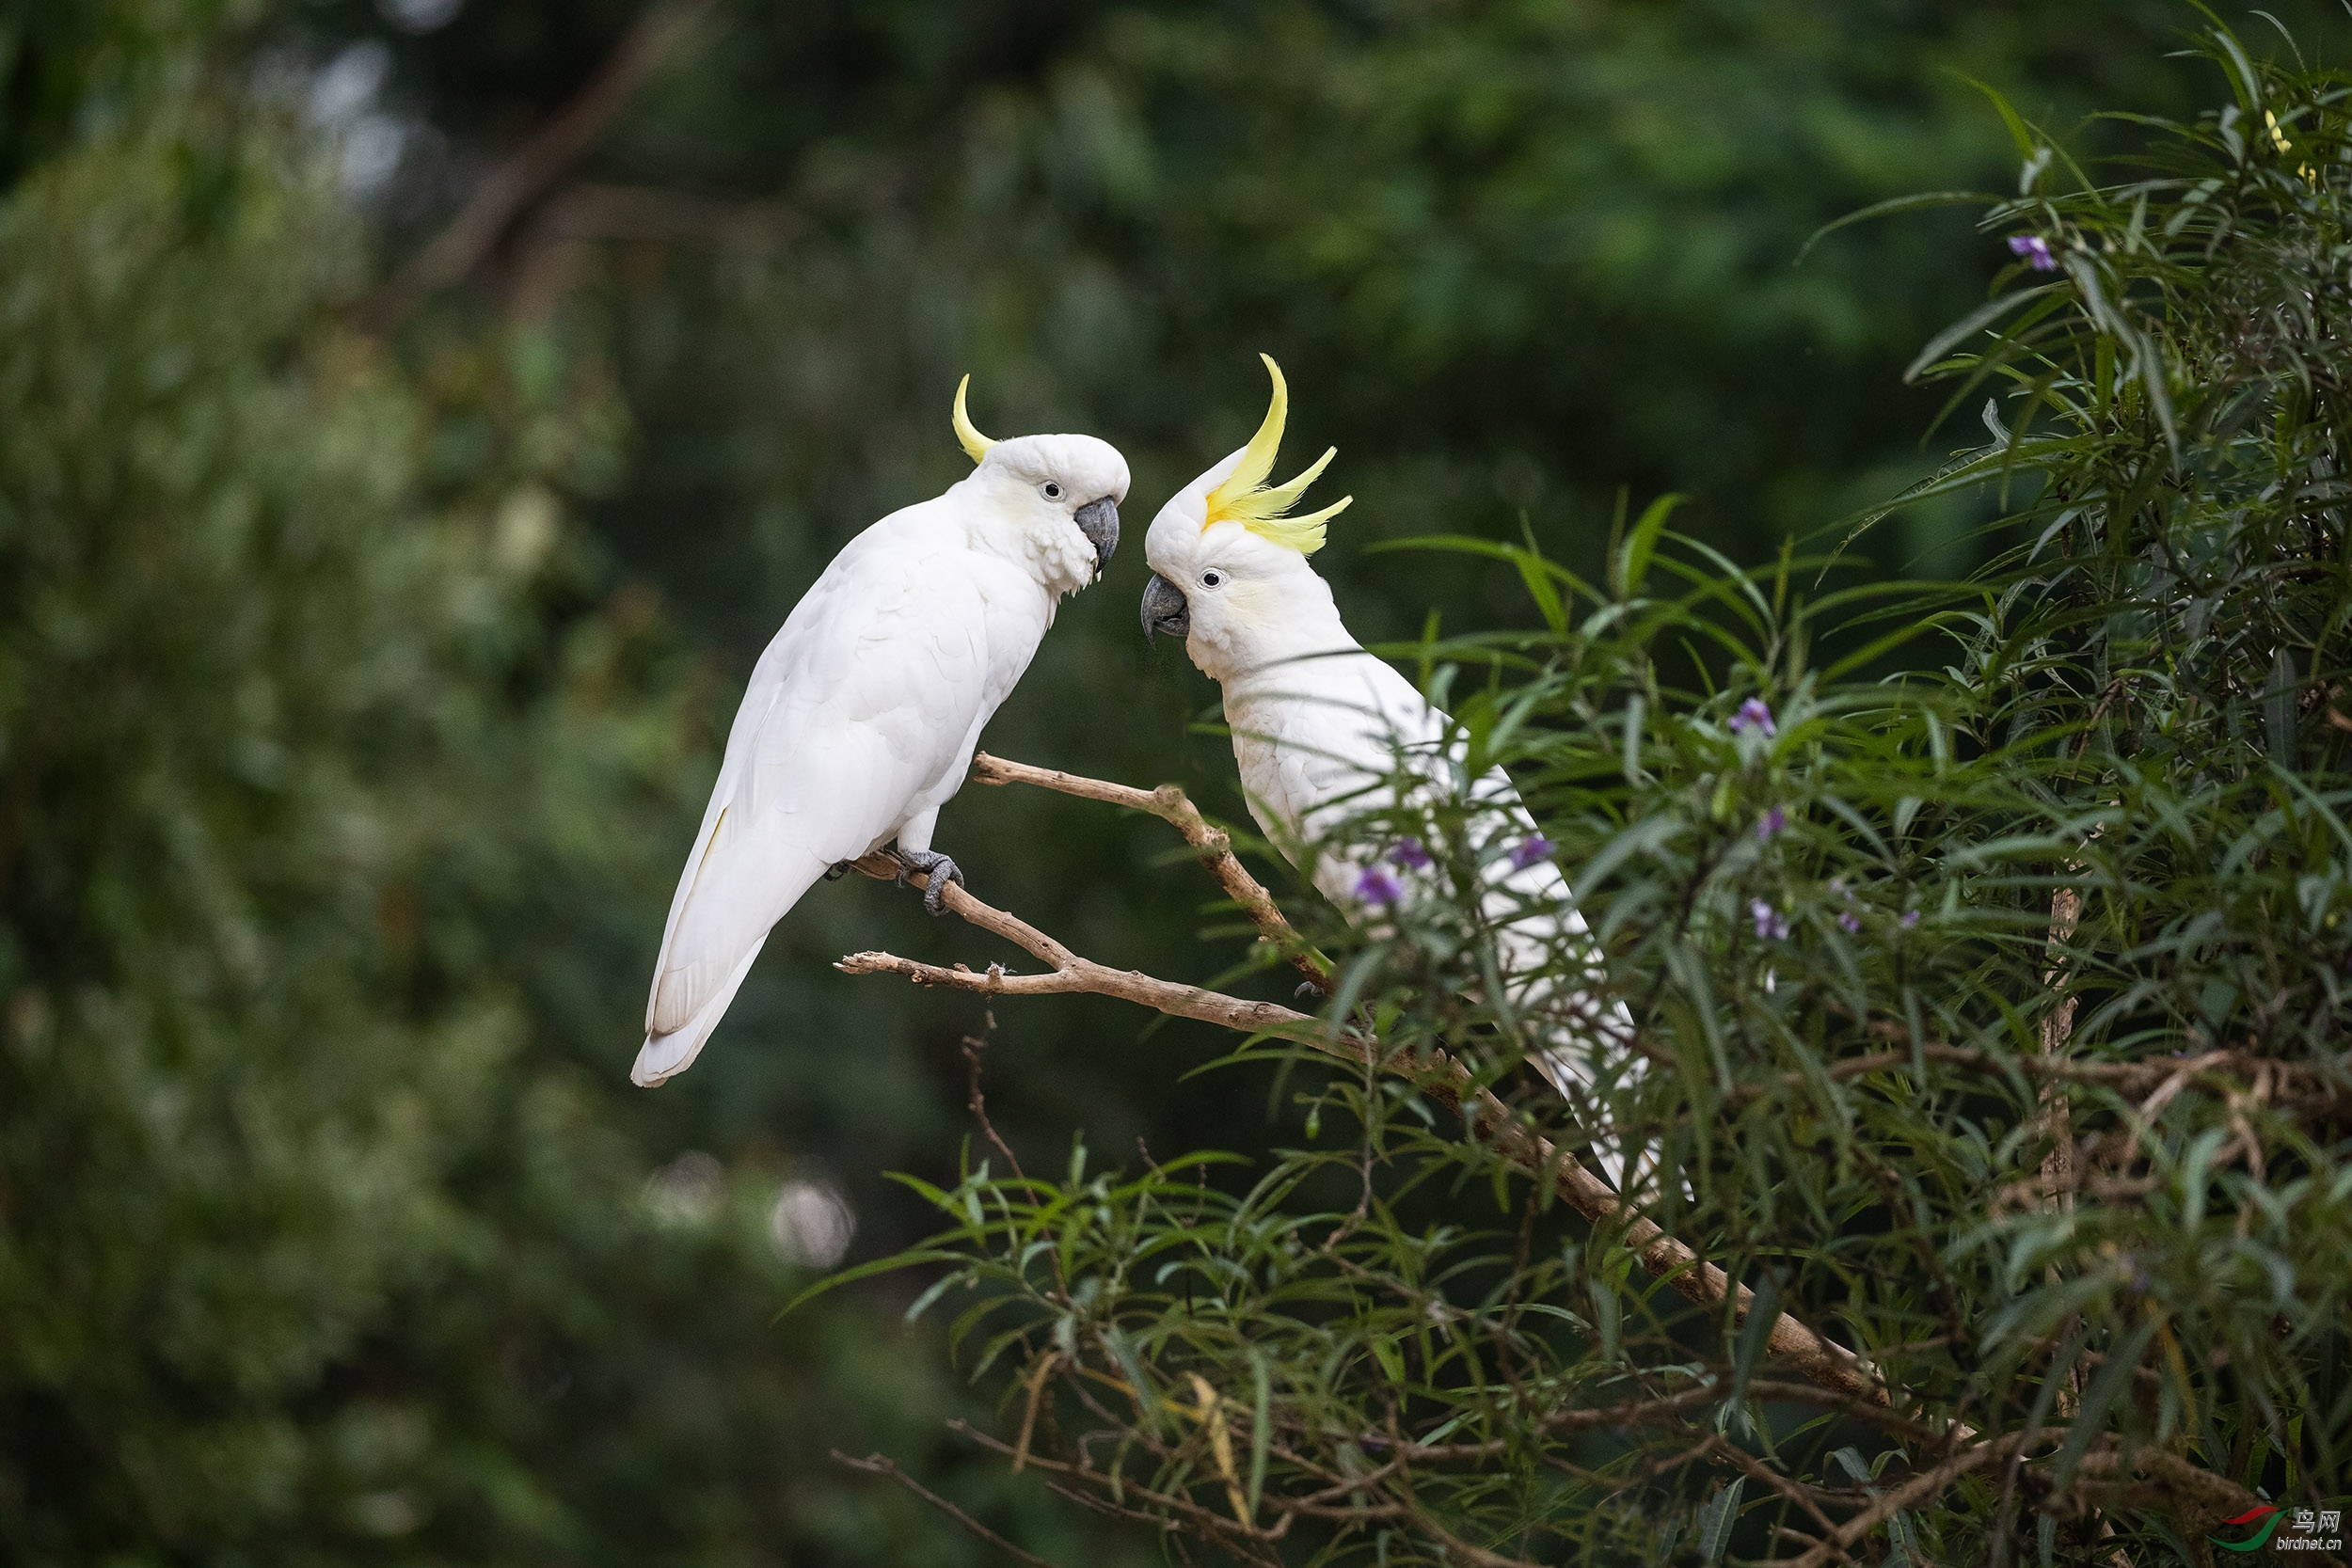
(840, 869)
(938, 871)
(1307, 988)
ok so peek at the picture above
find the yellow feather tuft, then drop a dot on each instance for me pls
(1245, 497)
(975, 445)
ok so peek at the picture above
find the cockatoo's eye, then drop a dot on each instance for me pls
(1050, 490)
(1213, 579)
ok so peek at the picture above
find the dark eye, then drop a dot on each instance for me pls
(1050, 490)
(1213, 579)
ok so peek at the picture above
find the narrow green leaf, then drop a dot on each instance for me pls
(2089, 1420)
(1643, 542)
(1716, 1519)
(1918, 202)
(1261, 1426)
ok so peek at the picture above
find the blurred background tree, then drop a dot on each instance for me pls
(366, 648)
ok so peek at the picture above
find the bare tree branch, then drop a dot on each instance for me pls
(2297, 1086)
(1909, 1495)
(513, 184)
(1173, 807)
(2058, 1025)
(1505, 1133)
(882, 1464)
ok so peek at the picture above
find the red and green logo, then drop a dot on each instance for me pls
(2269, 1517)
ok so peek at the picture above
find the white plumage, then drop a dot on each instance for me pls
(862, 716)
(1321, 727)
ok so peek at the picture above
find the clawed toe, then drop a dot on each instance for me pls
(937, 870)
(935, 892)
(842, 868)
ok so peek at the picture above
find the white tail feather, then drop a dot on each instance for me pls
(664, 1056)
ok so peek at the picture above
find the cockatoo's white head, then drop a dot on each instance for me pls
(1229, 570)
(1053, 500)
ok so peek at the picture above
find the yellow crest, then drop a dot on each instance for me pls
(975, 445)
(1245, 497)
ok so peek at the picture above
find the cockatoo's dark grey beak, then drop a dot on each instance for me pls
(1098, 521)
(1165, 609)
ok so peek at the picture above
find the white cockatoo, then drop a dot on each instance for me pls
(1321, 729)
(863, 714)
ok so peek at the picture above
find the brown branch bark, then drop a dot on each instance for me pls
(882, 1464)
(1817, 1356)
(1173, 807)
(1910, 1493)
(2057, 1027)
(459, 248)
(2296, 1085)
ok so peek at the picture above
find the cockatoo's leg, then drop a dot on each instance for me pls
(939, 869)
(840, 869)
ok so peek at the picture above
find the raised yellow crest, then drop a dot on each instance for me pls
(1245, 497)
(975, 445)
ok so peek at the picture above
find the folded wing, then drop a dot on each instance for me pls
(858, 708)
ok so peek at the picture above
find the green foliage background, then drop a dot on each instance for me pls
(357, 691)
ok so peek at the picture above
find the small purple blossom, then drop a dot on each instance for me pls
(2035, 250)
(1911, 918)
(1411, 855)
(1770, 922)
(1378, 885)
(1770, 823)
(1754, 712)
(1531, 850)
(1847, 923)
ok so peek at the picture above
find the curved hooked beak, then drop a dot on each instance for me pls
(1098, 521)
(1165, 609)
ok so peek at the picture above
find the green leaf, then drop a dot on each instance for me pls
(1754, 1334)
(2089, 1420)
(1920, 202)
(1643, 542)
(1716, 1518)
(1970, 324)
(1260, 1427)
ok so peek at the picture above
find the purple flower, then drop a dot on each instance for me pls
(1754, 712)
(1411, 855)
(2035, 250)
(1847, 923)
(1379, 885)
(1770, 922)
(1911, 918)
(1772, 822)
(1530, 851)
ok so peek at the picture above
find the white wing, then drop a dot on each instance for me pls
(1317, 745)
(860, 707)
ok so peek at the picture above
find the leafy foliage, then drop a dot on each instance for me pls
(1990, 1018)
(322, 1234)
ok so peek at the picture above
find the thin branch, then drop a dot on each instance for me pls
(1173, 807)
(1748, 1466)
(1815, 1355)
(513, 184)
(1909, 1495)
(2057, 1027)
(882, 1464)
(2305, 1087)
(973, 1046)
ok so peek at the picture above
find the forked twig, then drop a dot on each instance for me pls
(1818, 1357)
